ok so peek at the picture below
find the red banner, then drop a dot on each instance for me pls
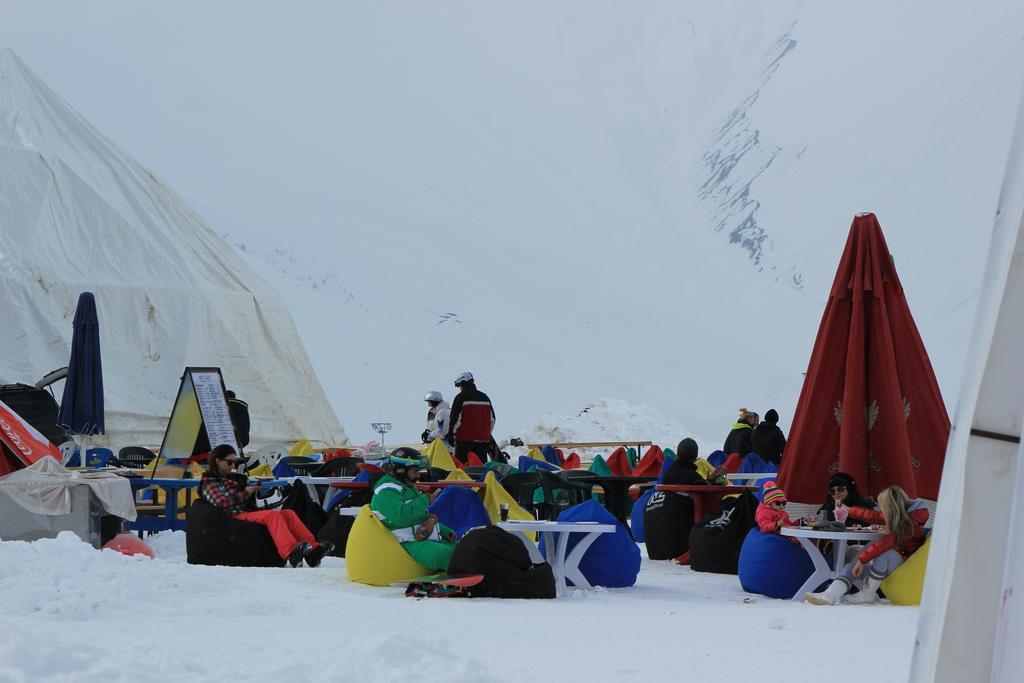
(27, 444)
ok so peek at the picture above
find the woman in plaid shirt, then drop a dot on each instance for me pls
(227, 491)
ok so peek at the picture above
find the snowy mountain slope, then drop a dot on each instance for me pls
(538, 193)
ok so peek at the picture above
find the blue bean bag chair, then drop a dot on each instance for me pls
(551, 456)
(636, 517)
(717, 458)
(754, 463)
(341, 495)
(614, 559)
(526, 463)
(771, 565)
(460, 510)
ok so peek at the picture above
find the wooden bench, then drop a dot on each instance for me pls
(593, 444)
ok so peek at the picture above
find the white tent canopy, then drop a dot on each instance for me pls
(78, 214)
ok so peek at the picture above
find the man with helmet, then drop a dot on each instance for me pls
(437, 417)
(403, 509)
(471, 422)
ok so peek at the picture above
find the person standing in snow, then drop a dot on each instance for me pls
(226, 490)
(738, 440)
(404, 510)
(437, 417)
(471, 422)
(767, 440)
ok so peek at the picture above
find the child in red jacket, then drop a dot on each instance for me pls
(904, 521)
(771, 514)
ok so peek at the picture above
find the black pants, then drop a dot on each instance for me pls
(484, 450)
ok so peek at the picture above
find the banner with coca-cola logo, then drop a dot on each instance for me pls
(24, 440)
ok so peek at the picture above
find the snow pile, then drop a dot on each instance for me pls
(68, 612)
(609, 420)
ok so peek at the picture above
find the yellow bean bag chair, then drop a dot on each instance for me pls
(903, 586)
(302, 447)
(458, 475)
(438, 456)
(374, 556)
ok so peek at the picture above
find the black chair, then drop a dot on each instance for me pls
(338, 467)
(522, 486)
(433, 474)
(474, 472)
(135, 457)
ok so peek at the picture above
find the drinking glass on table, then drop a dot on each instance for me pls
(503, 511)
(841, 513)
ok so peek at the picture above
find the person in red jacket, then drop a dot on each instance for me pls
(771, 514)
(904, 519)
(227, 491)
(471, 422)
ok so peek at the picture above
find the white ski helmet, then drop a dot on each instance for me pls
(433, 397)
(463, 378)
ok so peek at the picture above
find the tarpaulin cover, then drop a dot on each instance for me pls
(614, 559)
(173, 293)
(460, 510)
(870, 405)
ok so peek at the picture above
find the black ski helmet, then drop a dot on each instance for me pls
(403, 458)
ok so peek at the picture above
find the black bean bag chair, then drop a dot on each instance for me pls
(668, 519)
(215, 538)
(505, 563)
(715, 541)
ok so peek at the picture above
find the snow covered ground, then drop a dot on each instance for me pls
(70, 613)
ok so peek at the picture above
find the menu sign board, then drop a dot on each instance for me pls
(200, 402)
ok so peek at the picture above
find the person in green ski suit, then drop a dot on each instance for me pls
(403, 509)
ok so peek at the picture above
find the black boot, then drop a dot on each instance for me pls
(298, 552)
(314, 556)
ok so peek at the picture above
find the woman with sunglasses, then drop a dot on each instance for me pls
(227, 491)
(842, 490)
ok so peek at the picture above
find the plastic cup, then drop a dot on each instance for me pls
(503, 510)
(841, 515)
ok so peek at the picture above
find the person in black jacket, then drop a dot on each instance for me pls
(684, 469)
(471, 422)
(842, 488)
(767, 440)
(738, 440)
(240, 416)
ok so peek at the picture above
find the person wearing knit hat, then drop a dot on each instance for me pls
(767, 440)
(771, 514)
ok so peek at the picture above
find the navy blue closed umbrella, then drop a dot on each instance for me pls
(81, 409)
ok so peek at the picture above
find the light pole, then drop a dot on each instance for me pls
(381, 428)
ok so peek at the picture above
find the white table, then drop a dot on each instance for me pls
(822, 572)
(556, 542)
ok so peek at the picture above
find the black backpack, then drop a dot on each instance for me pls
(505, 563)
(715, 542)
(668, 519)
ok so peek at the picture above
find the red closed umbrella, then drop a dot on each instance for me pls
(870, 405)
